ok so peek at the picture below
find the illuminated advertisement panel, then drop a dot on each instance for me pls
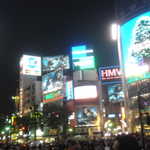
(84, 92)
(53, 96)
(30, 65)
(82, 58)
(110, 74)
(135, 40)
(115, 93)
(86, 116)
(52, 81)
(69, 90)
(55, 63)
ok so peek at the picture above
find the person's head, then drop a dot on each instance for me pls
(125, 142)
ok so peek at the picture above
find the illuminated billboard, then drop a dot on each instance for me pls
(53, 96)
(135, 40)
(84, 92)
(115, 93)
(52, 81)
(86, 116)
(69, 90)
(82, 58)
(55, 63)
(30, 65)
(110, 74)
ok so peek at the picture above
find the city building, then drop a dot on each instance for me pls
(29, 84)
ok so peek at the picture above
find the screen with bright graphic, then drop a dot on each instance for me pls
(82, 58)
(135, 40)
(86, 116)
(55, 63)
(30, 65)
(53, 96)
(115, 93)
(84, 92)
(52, 81)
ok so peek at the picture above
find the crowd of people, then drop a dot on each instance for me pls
(123, 142)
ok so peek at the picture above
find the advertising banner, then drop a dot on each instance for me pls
(115, 93)
(110, 74)
(82, 58)
(55, 63)
(91, 92)
(135, 40)
(52, 81)
(30, 65)
(53, 96)
(86, 116)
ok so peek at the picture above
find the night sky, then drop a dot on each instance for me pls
(48, 27)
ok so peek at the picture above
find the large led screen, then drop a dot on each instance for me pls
(83, 92)
(82, 58)
(30, 65)
(115, 93)
(55, 63)
(86, 116)
(135, 40)
(52, 81)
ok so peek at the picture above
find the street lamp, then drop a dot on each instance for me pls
(114, 31)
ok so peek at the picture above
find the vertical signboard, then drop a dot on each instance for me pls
(69, 90)
(53, 78)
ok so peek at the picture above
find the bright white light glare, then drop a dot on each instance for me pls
(83, 51)
(31, 65)
(25, 135)
(20, 132)
(72, 116)
(39, 132)
(7, 128)
(41, 105)
(107, 134)
(126, 132)
(2, 132)
(70, 129)
(136, 70)
(124, 124)
(114, 29)
(82, 92)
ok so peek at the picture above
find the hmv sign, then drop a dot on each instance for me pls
(110, 74)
